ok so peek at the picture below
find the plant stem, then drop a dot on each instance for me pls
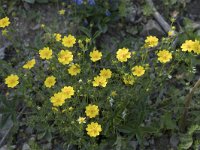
(188, 99)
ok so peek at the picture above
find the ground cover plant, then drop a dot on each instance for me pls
(74, 94)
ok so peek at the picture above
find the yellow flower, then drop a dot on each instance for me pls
(95, 55)
(123, 54)
(93, 129)
(30, 64)
(57, 37)
(45, 53)
(128, 79)
(4, 32)
(187, 46)
(12, 80)
(58, 99)
(81, 120)
(50, 81)
(106, 73)
(4, 22)
(171, 33)
(68, 91)
(74, 70)
(42, 25)
(196, 47)
(138, 71)
(54, 109)
(113, 93)
(164, 56)
(151, 41)
(71, 108)
(92, 111)
(87, 40)
(69, 41)
(99, 81)
(65, 57)
(61, 12)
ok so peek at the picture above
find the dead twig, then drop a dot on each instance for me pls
(158, 17)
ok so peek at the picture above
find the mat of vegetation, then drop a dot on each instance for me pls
(92, 74)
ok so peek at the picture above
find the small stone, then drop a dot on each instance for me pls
(152, 28)
(2, 50)
(36, 27)
(29, 130)
(174, 141)
(134, 144)
(47, 146)
(5, 147)
(132, 30)
(131, 13)
(26, 147)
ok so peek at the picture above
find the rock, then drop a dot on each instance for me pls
(193, 9)
(152, 28)
(2, 53)
(132, 30)
(36, 27)
(29, 130)
(174, 141)
(134, 144)
(47, 146)
(2, 50)
(6, 147)
(131, 13)
(193, 25)
(26, 147)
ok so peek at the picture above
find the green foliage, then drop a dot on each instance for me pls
(38, 1)
(186, 140)
(147, 10)
(150, 106)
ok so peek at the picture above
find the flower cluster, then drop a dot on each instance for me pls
(70, 65)
(102, 79)
(58, 99)
(191, 46)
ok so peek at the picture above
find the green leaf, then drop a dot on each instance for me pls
(86, 31)
(97, 34)
(186, 142)
(41, 135)
(126, 129)
(167, 121)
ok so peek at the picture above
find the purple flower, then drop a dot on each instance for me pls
(91, 2)
(108, 12)
(78, 2)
